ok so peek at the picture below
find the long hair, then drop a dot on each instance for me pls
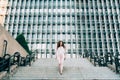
(58, 44)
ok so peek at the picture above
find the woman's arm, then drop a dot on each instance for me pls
(65, 53)
(56, 53)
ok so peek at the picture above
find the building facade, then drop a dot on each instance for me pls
(92, 25)
(8, 45)
(3, 10)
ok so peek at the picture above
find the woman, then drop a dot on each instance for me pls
(60, 55)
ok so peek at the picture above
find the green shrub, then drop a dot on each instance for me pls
(21, 40)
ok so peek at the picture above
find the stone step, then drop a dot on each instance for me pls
(74, 69)
(83, 73)
(54, 69)
(68, 62)
(66, 70)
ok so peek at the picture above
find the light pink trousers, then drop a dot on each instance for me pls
(60, 58)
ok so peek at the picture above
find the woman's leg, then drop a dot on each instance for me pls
(61, 67)
(61, 63)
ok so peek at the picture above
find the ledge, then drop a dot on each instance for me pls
(112, 67)
(3, 74)
(13, 69)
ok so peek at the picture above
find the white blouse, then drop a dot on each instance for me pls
(60, 50)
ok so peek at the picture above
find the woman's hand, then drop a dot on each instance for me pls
(65, 57)
(55, 56)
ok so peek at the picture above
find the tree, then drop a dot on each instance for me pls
(21, 40)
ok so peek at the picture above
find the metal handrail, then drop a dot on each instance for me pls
(106, 59)
(117, 62)
(4, 63)
(5, 47)
(7, 61)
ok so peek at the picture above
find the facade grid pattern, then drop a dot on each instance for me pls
(92, 25)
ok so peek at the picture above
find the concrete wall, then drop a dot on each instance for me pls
(13, 46)
(3, 10)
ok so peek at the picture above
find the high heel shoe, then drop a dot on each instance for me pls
(60, 73)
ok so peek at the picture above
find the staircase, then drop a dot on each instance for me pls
(74, 69)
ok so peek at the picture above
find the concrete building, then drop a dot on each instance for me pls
(92, 25)
(8, 45)
(3, 10)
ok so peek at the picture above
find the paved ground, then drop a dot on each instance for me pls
(74, 69)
